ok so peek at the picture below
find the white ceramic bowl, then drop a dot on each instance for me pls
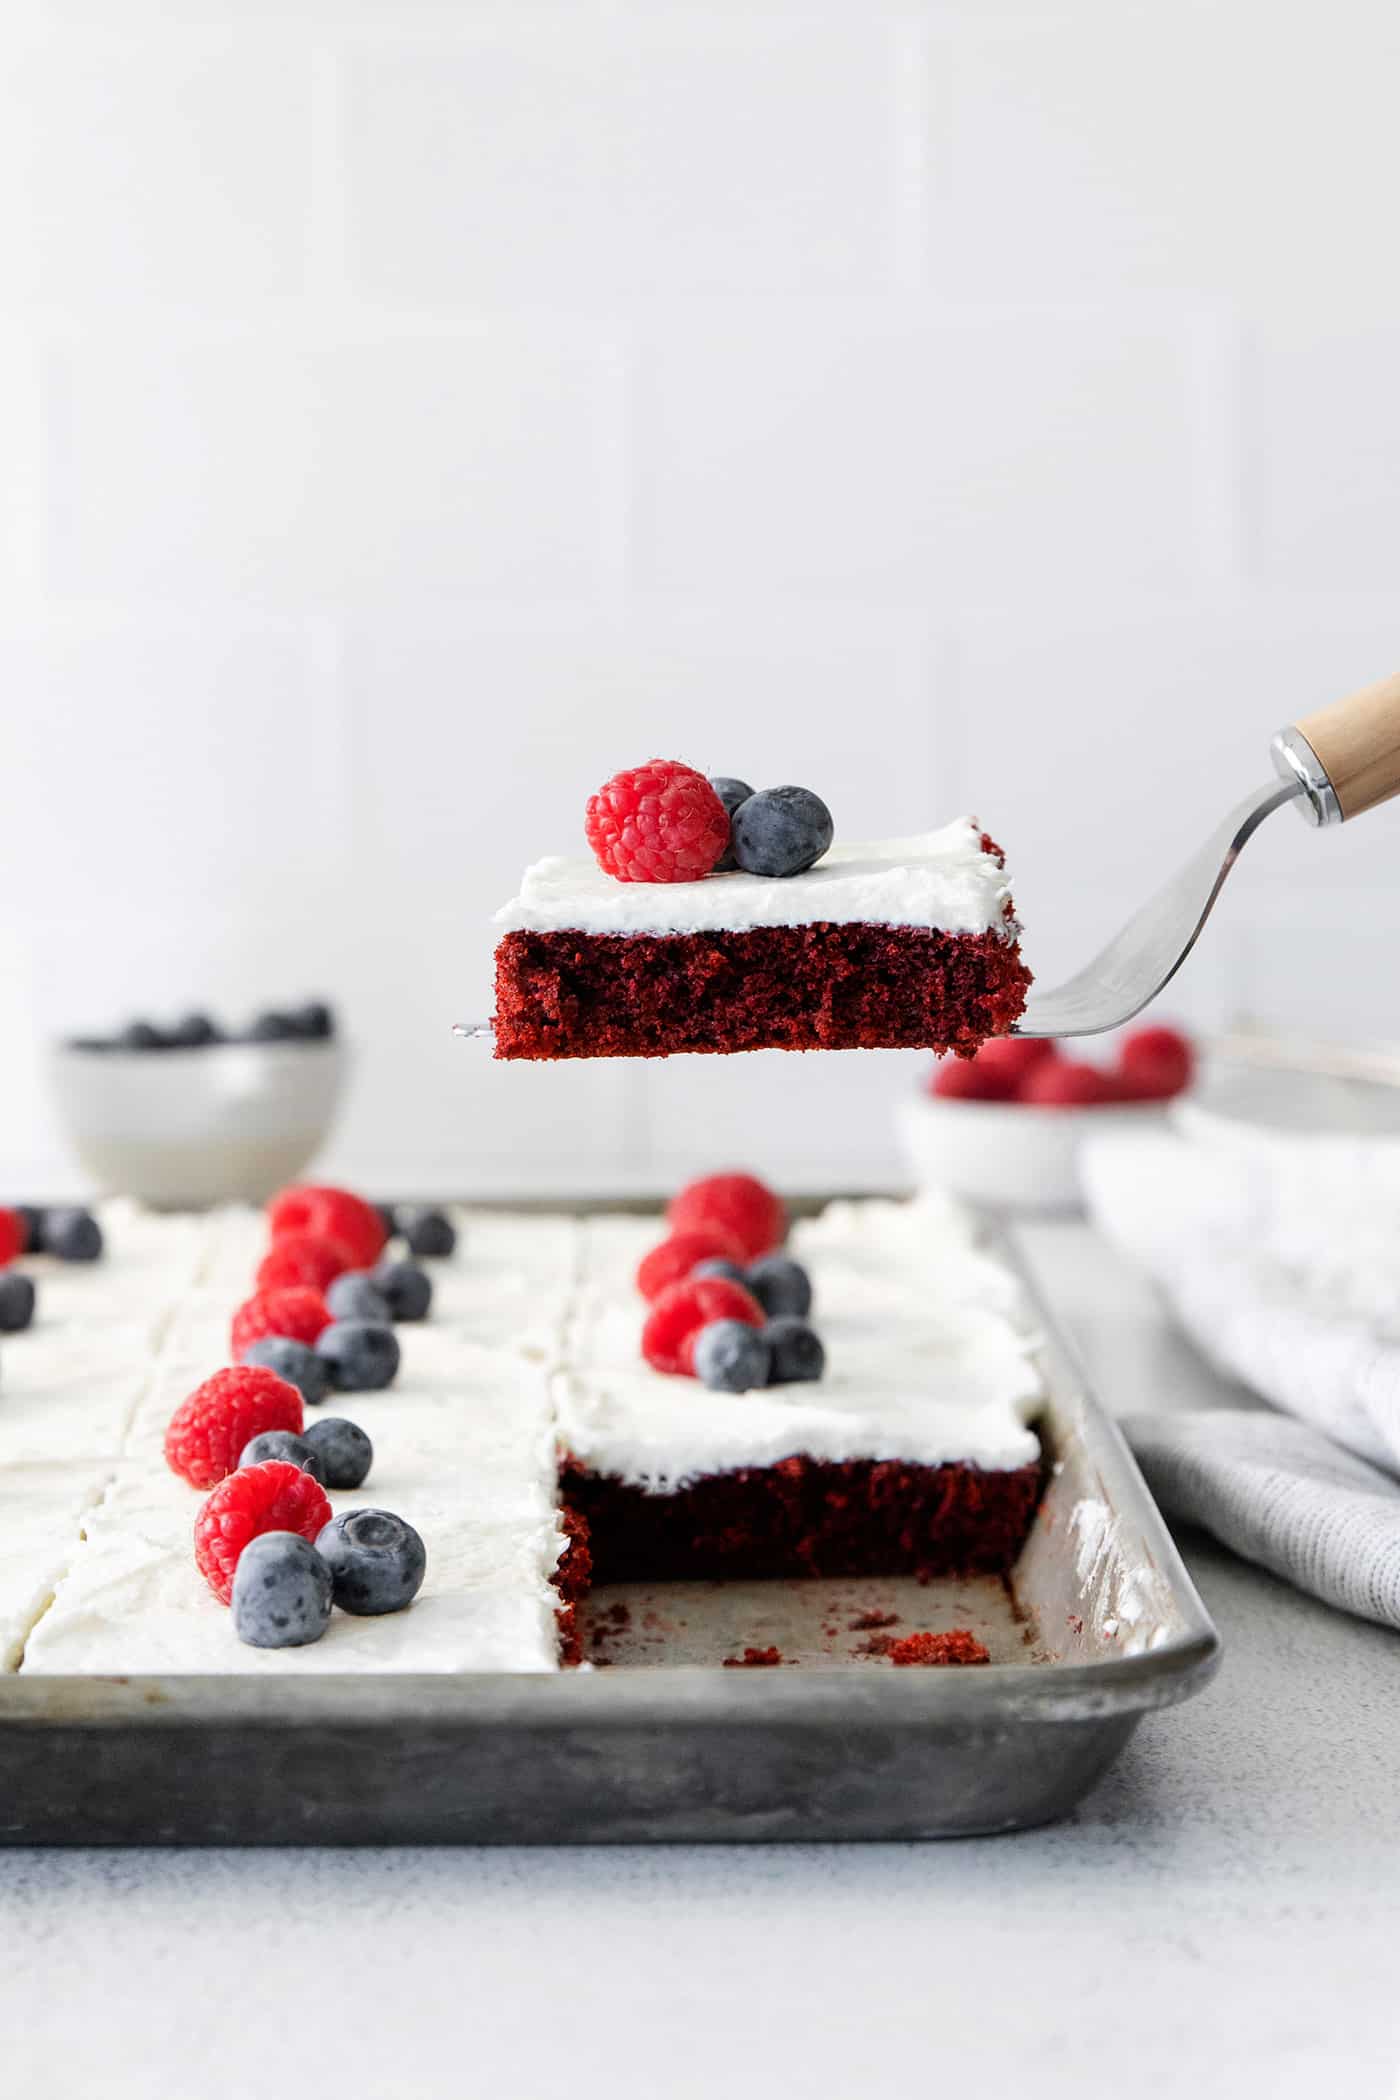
(1007, 1154)
(181, 1129)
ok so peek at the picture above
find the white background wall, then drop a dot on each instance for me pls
(411, 413)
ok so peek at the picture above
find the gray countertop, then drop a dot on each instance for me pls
(1222, 1915)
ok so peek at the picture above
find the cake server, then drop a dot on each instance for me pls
(1333, 765)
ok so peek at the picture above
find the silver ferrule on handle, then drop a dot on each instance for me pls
(1296, 762)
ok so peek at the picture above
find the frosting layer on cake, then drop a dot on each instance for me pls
(928, 1358)
(944, 881)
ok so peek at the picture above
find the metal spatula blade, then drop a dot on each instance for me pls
(1128, 974)
(1332, 765)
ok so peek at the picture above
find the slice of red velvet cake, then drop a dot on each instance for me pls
(912, 1452)
(906, 943)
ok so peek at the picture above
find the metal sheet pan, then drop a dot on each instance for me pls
(1100, 1625)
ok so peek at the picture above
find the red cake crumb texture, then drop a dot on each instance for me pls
(738, 1205)
(270, 1497)
(817, 987)
(572, 1579)
(661, 822)
(683, 1309)
(208, 1431)
(1153, 1064)
(807, 1516)
(871, 1621)
(754, 1659)
(937, 1650)
(296, 1311)
(332, 1214)
(673, 1260)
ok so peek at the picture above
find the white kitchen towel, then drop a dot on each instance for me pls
(1280, 1493)
(1281, 1259)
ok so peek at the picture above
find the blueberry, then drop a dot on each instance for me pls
(281, 1592)
(16, 1301)
(376, 1561)
(716, 1265)
(362, 1355)
(356, 1296)
(140, 1035)
(292, 1450)
(797, 1352)
(388, 1218)
(732, 1357)
(193, 1032)
(272, 1027)
(731, 793)
(295, 1362)
(31, 1218)
(344, 1450)
(406, 1289)
(781, 1285)
(314, 1022)
(781, 831)
(73, 1235)
(428, 1232)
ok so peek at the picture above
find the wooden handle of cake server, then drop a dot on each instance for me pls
(1357, 743)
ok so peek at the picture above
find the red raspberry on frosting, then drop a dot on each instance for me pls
(208, 1431)
(674, 1259)
(332, 1214)
(306, 1258)
(661, 822)
(274, 1496)
(295, 1310)
(739, 1204)
(682, 1309)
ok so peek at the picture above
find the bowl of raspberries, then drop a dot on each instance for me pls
(1003, 1127)
(185, 1113)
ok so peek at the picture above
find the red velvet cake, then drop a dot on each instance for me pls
(912, 1454)
(902, 944)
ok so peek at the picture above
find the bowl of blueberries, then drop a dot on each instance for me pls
(191, 1114)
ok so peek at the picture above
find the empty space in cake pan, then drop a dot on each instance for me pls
(821, 1623)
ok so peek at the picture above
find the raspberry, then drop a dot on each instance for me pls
(303, 1258)
(661, 822)
(968, 1079)
(295, 1310)
(737, 1204)
(332, 1214)
(1014, 1057)
(1061, 1082)
(14, 1236)
(683, 1309)
(1154, 1064)
(274, 1496)
(207, 1432)
(674, 1259)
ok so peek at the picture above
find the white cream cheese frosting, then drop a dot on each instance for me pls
(464, 1450)
(532, 1346)
(929, 1358)
(941, 880)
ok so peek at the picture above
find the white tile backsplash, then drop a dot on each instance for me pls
(408, 416)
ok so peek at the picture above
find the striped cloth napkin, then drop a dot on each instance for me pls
(1281, 1260)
